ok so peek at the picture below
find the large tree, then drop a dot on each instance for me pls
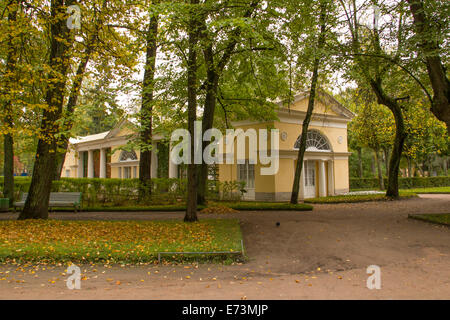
(192, 84)
(319, 46)
(431, 22)
(61, 39)
(375, 52)
(146, 112)
(217, 54)
(9, 80)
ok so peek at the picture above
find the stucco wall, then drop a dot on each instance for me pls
(319, 107)
(294, 130)
(70, 161)
(285, 177)
(341, 177)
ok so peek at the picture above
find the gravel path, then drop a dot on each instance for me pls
(321, 254)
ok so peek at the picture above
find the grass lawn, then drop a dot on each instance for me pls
(415, 190)
(434, 218)
(430, 190)
(253, 205)
(55, 241)
(358, 198)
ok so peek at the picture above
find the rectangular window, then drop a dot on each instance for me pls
(310, 176)
(134, 172)
(67, 173)
(127, 172)
(120, 172)
(246, 173)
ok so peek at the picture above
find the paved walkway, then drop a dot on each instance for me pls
(321, 254)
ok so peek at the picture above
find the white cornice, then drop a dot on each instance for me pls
(125, 163)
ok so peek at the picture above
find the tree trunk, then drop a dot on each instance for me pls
(212, 83)
(445, 165)
(379, 171)
(63, 143)
(312, 96)
(372, 166)
(409, 167)
(146, 114)
(8, 167)
(36, 205)
(399, 140)
(8, 140)
(396, 155)
(430, 166)
(436, 70)
(419, 169)
(386, 161)
(191, 202)
(360, 163)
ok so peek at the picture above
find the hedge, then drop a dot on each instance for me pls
(124, 192)
(355, 198)
(404, 183)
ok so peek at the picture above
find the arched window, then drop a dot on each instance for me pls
(314, 142)
(127, 156)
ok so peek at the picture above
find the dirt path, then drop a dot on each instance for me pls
(321, 254)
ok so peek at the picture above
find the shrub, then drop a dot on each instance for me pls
(230, 190)
(404, 183)
(116, 192)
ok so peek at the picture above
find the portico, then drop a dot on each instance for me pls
(105, 155)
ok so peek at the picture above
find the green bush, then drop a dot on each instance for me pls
(124, 192)
(107, 192)
(354, 198)
(230, 190)
(404, 183)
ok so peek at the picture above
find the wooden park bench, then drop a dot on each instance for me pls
(57, 200)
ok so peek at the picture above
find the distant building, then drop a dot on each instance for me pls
(325, 170)
(97, 156)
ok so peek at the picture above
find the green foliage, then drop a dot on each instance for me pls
(443, 218)
(124, 192)
(431, 190)
(230, 190)
(358, 198)
(404, 183)
(267, 206)
(113, 192)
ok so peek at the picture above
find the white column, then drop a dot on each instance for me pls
(322, 179)
(154, 169)
(173, 168)
(330, 178)
(102, 163)
(80, 165)
(90, 163)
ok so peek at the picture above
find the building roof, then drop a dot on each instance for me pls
(106, 135)
(325, 98)
(92, 137)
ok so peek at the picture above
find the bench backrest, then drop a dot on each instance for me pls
(74, 197)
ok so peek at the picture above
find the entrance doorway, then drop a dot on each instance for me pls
(310, 178)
